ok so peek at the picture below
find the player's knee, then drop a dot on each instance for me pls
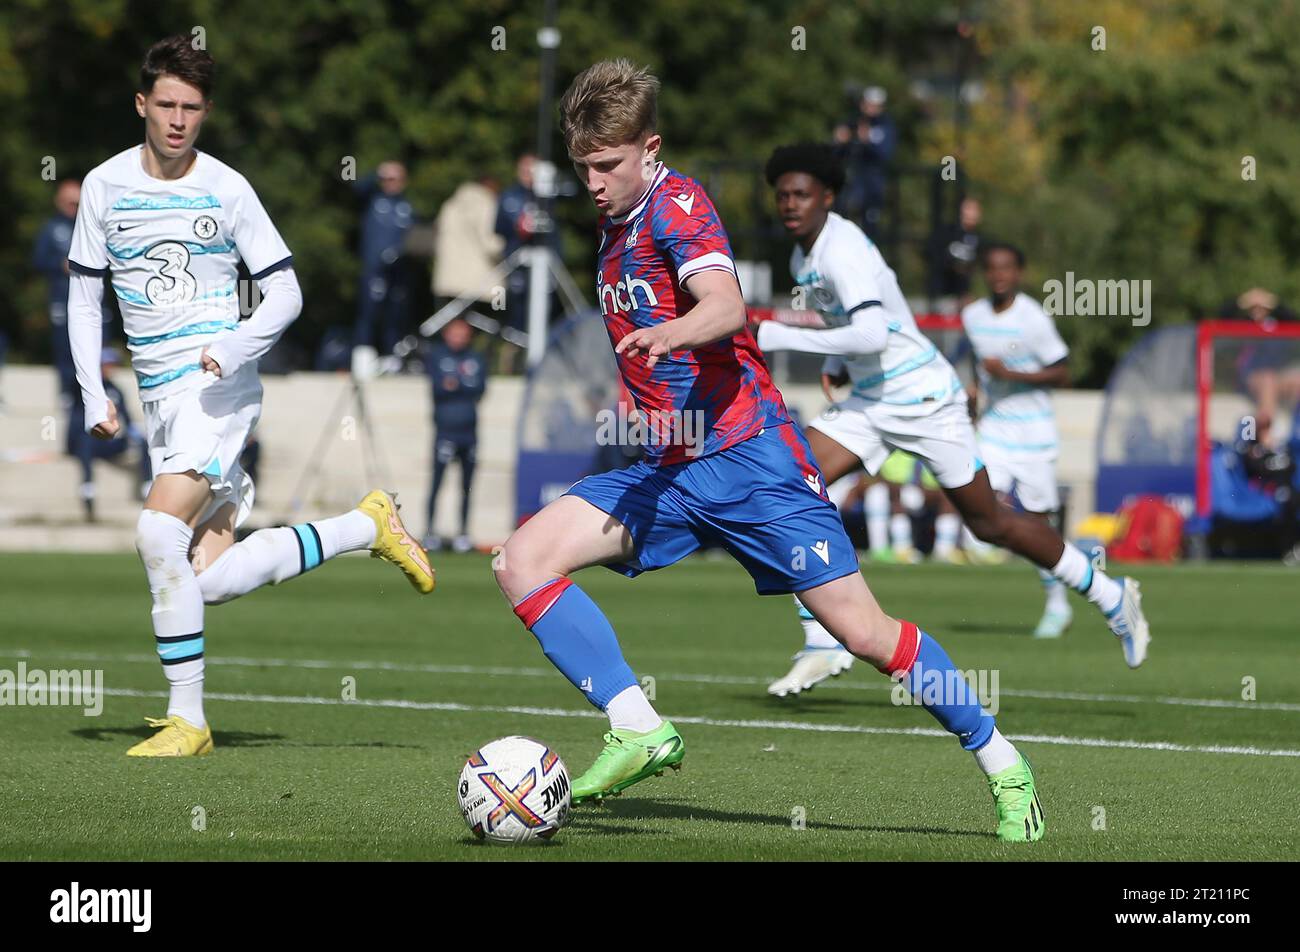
(993, 529)
(161, 539)
(873, 638)
(884, 639)
(514, 566)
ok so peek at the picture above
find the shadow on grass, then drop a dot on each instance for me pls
(272, 740)
(237, 739)
(986, 628)
(219, 738)
(809, 702)
(592, 819)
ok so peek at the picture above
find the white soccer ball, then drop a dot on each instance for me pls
(514, 790)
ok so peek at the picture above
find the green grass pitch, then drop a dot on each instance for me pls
(1168, 762)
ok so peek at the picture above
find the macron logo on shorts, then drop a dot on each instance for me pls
(814, 483)
(822, 550)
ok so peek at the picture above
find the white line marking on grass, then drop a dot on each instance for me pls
(454, 707)
(882, 685)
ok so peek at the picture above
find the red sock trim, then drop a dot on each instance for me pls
(539, 601)
(909, 646)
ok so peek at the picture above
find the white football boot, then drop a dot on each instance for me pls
(1054, 622)
(811, 667)
(1130, 625)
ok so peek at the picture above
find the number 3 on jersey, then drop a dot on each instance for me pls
(173, 284)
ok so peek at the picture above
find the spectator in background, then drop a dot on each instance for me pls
(516, 221)
(459, 376)
(1258, 305)
(1269, 370)
(866, 145)
(384, 291)
(467, 245)
(130, 436)
(50, 258)
(952, 252)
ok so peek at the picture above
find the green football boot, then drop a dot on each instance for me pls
(884, 556)
(1020, 815)
(629, 758)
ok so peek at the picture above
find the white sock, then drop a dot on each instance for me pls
(274, 555)
(839, 490)
(187, 697)
(629, 710)
(900, 530)
(1057, 601)
(1076, 571)
(912, 498)
(946, 527)
(350, 532)
(815, 634)
(974, 543)
(163, 542)
(876, 504)
(997, 755)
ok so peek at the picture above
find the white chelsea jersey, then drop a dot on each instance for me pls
(845, 272)
(171, 249)
(1018, 418)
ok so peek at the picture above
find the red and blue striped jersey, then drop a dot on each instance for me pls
(694, 402)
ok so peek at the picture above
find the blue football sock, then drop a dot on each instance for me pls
(934, 680)
(577, 638)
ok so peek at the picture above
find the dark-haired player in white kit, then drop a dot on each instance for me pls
(905, 394)
(1018, 356)
(168, 225)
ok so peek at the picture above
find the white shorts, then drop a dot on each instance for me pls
(1033, 479)
(204, 431)
(943, 439)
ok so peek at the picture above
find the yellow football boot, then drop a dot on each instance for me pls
(178, 738)
(394, 544)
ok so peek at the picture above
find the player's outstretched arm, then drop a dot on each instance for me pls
(866, 333)
(281, 304)
(718, 315)
(85, 334)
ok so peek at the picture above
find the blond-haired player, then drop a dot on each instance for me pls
(724, 465)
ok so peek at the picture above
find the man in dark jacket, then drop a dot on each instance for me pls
(50, 258)
(384, 291)
(459, 376)
(866, 144)
(953, 250)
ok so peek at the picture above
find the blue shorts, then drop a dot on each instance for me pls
(763, 500)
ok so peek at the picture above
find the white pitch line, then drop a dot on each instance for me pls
(454, 707)
(882, 685)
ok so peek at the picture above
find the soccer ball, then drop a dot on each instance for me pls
(514, 790)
